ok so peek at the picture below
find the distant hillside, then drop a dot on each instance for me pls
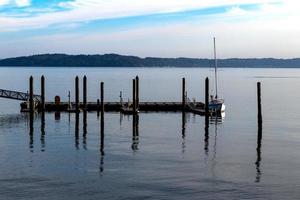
(114, 60)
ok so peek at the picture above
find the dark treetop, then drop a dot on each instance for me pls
(114, 60)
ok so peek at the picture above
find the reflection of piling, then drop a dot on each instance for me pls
(258, 153)
(135, 132)
(137, 80)
(102, 143)
(206, 96)
(43, 131)
(77, 130)
(84, 92)
(84, 128)
(183, 94)
(183, 124)
(42, 93)
(77, 94)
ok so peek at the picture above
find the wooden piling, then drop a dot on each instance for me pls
(206, 96)
(102, 122)
(259, 114)
(42, 93)
(31, 102)
(84, 92)
(77, 94)
(183, 94)
(102, 97)
(134, 95)
(137, 80)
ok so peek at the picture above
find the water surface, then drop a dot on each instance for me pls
(55, 160)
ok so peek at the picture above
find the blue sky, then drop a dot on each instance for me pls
(165, 28)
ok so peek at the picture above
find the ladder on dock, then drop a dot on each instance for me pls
(21, 96)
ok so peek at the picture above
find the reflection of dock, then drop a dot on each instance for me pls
(117, 106)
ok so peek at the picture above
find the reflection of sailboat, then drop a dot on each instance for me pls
(216, 105)
(218, 119)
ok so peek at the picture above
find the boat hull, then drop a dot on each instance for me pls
(216, 106)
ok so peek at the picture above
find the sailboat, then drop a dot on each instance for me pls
(216, 105)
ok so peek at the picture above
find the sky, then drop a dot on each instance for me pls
(151, 28)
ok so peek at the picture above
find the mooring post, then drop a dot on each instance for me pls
(259, 115)
(259, 133)
(84, 92)
(102, 97)
(77, 94)
(43, 93)
(134, 95)
(183, 94)
(31, 103)
(206, 96)
(137, 80)
(102, 120)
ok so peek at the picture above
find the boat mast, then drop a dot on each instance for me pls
(216, 75)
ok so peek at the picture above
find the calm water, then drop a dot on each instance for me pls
(166, 162)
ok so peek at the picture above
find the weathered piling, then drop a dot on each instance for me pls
(259, 114)
(84, 92)
(183, 94)
(102, 97)
(42, 94)
(134, 96)
(102, 120)
(31, 102)
(206, 96)
(259, 133)
(137, 80)
(77, 94)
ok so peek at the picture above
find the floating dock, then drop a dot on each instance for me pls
(32, 102)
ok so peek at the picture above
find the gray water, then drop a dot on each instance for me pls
(169, 162)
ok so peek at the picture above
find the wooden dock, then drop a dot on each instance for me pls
(32, 102)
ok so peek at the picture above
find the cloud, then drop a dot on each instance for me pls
(89, 10)
(4, 2)
(22, 3)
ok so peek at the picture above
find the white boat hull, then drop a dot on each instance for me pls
(216, 106)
